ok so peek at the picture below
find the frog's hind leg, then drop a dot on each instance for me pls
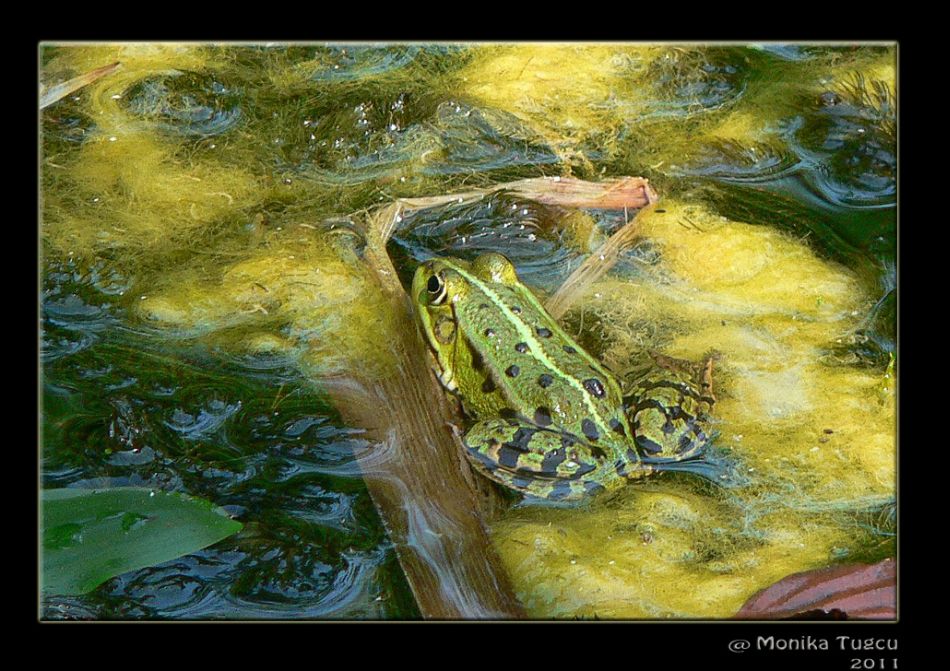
(669, 414)
(669, 410)
(531, 460)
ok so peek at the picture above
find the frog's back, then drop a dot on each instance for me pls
(544, 371)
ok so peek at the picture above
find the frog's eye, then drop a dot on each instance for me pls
(436, 288)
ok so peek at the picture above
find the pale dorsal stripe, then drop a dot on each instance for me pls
(536, 348)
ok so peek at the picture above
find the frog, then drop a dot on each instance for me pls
(548, 419)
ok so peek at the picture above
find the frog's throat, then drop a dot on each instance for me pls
(536, 348)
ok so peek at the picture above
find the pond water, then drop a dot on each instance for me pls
(189, 302)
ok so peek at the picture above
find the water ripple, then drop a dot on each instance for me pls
(479, 139)
(353, 62)
(205, 422)
(526, 232)
(849, 135)
(186, 103)
(731, 160)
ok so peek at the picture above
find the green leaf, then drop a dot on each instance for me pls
(91, 535)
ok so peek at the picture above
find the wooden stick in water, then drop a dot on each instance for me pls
(433, 505)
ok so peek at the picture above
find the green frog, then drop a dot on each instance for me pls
(549, 420)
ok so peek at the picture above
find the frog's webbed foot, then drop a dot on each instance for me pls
(700, 373)
(535, 461)
(712, 465)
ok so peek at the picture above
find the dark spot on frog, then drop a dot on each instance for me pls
(543, 332)
(545, 380)
(567, 441)
(561, 490)
(553, 459)
(595, 387)
(685, 444)
(678, 413)
(486, 461)
(660, 211)
(512, 371)
(648, 446)
(488, 386)
(522, 347)
(593, 487)
(521, 439)
(489, 333)
(478, 362)
(584, 469)
(508, 457)
(598, 452)
(828, 430)
(483, 306)
(516, 309)
(508, 414)
(617, 427)
(621, 467)
(522, 483)
(587, 426)
(542, 416)
(569, 349)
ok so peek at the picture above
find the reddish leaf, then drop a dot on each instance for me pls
(611, 194)
(858, 591)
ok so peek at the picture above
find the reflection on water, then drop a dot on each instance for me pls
(528, 233)
(119, 413)
(182, 199)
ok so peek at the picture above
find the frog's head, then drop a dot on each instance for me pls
(440, 283)
(440, 290)
(437, 287)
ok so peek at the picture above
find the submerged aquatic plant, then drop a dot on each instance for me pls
(852, 130)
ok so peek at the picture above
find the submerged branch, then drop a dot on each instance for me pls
(433, 505)
(613, 194)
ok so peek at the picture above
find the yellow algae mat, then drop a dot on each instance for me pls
(815, 440)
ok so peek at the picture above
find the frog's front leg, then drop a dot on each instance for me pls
(534, 461)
